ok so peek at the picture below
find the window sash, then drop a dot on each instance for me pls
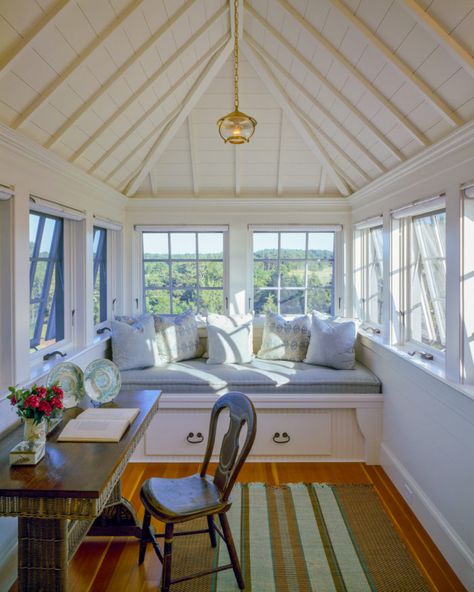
(100, 274)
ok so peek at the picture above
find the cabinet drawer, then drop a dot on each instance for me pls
(170, 433)
(293, 433)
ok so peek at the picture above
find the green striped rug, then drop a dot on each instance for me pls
(304, 538)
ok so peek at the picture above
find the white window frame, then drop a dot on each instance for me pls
(467, 283)
(6, 288)
(338, 260)
(224, 229)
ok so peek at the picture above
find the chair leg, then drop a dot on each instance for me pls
(232, 552)
(212, 530)
(168, 547)
(145, 537)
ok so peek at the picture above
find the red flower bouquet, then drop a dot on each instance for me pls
(38, 402)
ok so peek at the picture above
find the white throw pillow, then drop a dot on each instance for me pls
(133, 343)
(332, 344)
(177, 337)
(229, 339)
(285, 339)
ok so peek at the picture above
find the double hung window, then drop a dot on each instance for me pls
(100, 274)
(183, 270)
(293, 271)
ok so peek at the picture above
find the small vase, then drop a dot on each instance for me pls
(34, 432)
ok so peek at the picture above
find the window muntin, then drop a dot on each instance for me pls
(100, 274)
(46, 280)
(293, 271)
(183, 270)
(427, 291)
(374, 287)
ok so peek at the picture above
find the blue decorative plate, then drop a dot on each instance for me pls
(71, 379)
(102, 380)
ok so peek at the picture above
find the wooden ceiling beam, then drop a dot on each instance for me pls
(330, 87)
(170, 62)
(154, 181)
(381, 168)
(118, 74)
(340, 58)
(429, 23)
(47, 20)
(430, 96)
(193, 96)
(279, 94)
(322, 182)
(81, 59)
(193, 153)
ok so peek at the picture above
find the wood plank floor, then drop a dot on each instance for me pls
(110, 564)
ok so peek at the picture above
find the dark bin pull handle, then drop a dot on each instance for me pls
(284, 438)
(195, 439)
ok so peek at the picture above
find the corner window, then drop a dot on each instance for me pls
(100, 275)
(46, 280)
(368, 270)
(183, 270)
(293, 271)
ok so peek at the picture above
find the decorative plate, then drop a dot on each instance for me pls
(71, 379)
(102, 380)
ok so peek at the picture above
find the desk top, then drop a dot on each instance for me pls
(79, 470)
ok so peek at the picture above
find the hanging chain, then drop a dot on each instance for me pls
(236, 56)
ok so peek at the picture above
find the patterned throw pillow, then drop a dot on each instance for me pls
(285, 339)
(177, 337)
(229, 339)
(332, 343)
(133, 343)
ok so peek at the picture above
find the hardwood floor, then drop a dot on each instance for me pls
(110, 564)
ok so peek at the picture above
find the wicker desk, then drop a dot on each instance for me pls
(58, 500)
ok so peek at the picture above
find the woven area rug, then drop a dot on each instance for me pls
(303, 538)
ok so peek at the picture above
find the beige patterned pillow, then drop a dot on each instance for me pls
(285, 339)
(177, 337)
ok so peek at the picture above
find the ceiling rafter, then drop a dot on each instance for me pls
(81, 59)
(334, 91)
(149, 112)
(414, 132)
(193, 96)
(322, 182)
(457, 51)
(150, 81)
(118, 74)
(381, 168)
(280, 155)
(193, 153)
(48, 19)
(302, 127)
(154, 181)
(431, 97)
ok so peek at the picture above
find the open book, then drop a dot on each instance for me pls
(98, 425)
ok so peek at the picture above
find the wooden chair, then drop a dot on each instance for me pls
(173, 501)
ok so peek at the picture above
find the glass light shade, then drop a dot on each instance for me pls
(236, 127)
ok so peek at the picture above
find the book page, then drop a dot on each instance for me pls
(110, 413)
(93, 430)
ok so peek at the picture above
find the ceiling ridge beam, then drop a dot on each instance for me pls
(118, 74)
(280, 155)
(146, 85)
(429, 23)
(193, 153)
(80, 59)
(48, 19)
(414, 132)
(199, 87)
(301, 126)
(432, 98)
(158, 103)
(333, 90)
(375, 161)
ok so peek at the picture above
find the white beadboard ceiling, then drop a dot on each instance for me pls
(130, 90)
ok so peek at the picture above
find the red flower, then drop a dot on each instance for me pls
(32, 401)
(58, 391)
(56, 402)
(45, 407)
(41, 392)
(13, 401)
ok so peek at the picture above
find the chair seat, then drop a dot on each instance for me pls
(179, 500)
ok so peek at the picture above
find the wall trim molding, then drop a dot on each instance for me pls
(26, 147)
(453, 548)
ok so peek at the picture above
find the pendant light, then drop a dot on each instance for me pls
(236, 127)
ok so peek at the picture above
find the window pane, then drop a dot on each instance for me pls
(320, 300)
(320, 245)
(265, 274)
(265, 245)
(211, 245)
(183, 245)
(265, 301)
(34, 221)
(292, 273)
(211, 274)
(374, 295)
(158, 301)
(211, 301)
(155, 245)
(320, 273)
(184, 300)
(183, 274)
(292, 302)
(292, 245)
(99, 249)
(157, 275)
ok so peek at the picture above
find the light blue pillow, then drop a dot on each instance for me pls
(133, 343)
(229, 339)
(285, 339)
(177, 337)
(332, 344)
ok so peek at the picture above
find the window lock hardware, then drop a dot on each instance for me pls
(424, 355)
(113, 303)
(226, 303)
(136, 302)
(103, 330)
(374, 330)
(53, 354)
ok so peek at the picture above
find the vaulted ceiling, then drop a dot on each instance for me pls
(130, 90)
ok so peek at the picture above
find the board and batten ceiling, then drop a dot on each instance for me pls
(130, 90)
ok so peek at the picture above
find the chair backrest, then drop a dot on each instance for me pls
(241, 412)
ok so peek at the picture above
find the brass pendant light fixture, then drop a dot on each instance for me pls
(236, 127)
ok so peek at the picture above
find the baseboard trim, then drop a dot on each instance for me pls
(453, 548)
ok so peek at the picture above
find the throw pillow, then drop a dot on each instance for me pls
(229, 339)
(177, 337)
(332, 344)
(285, 339)
(133, 343)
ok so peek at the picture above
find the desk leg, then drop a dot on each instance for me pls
(118, 518)
(42, 555)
